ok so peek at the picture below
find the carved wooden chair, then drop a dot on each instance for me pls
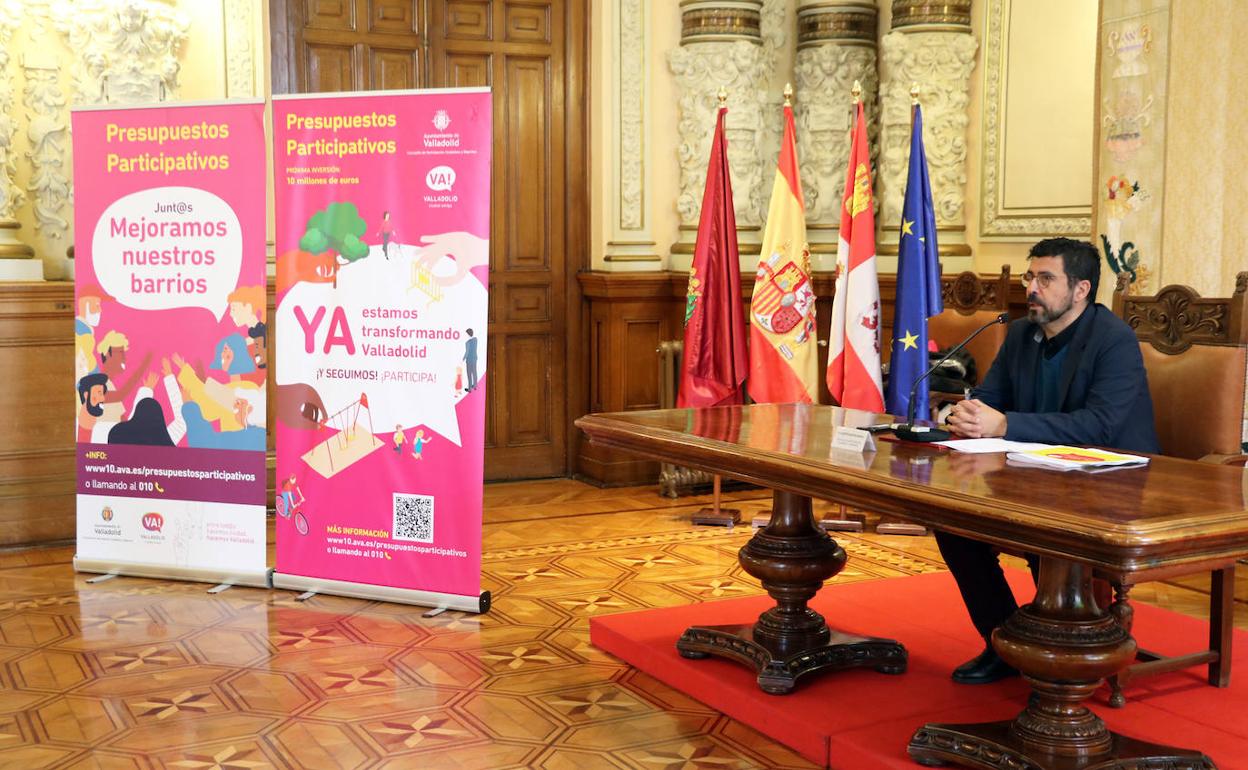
(971, 302)
(1196, 354)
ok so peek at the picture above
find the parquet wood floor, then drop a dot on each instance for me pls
(135, 673)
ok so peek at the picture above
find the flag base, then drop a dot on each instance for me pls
(258, 578)
(923, 433)
(478, 604)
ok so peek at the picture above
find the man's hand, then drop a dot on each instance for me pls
(973, 418)
(149, 381)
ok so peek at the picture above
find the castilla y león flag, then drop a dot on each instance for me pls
(784, 364)
(854, 350)
(713, 366)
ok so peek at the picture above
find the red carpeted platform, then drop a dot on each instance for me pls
(860, 720)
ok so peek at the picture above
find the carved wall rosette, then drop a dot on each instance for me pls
(940, 62)
(128, 50)
(835, 47)
(721, 45)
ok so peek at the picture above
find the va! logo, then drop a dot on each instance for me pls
(152, 522)
(441, 120)
(440, 178)
(106, 514)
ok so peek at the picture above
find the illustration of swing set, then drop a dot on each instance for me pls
(422, 278)
(352, 442)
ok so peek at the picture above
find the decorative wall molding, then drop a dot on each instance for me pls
(241, 70)
(631, 76)
(836, 46)
(629, 237)
(940, 62)
(48, 135)
(10, 194)
(128, 50)
(701, 66)
(993, 220)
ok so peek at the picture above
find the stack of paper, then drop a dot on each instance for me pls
(1065, 458)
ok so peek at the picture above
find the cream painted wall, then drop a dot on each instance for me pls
(1204, 227)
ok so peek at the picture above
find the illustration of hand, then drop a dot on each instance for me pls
(467, 251)
(166, 368)
(178, 360)
(149, 381)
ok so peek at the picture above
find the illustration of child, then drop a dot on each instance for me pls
(398, 439)
(418, 443)
(459, 379)
(286, 498)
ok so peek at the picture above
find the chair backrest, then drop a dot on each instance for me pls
(1196, 354)
(970, 303)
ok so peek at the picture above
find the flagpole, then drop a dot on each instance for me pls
(890, 526)
(715, 515)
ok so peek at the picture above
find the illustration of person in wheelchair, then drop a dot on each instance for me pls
(290, 502)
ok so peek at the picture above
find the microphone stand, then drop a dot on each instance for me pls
(908, 431)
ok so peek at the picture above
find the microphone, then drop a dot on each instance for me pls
(911, 432)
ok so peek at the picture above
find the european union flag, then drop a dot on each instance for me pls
(918, 284)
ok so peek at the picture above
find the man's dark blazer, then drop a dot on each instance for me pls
(1104, 388)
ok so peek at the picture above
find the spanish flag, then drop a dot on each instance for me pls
(784, 364)
(854, 350)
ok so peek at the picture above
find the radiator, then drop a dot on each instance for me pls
(674, 480)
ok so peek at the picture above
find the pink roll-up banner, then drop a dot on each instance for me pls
(170, 337)
(383, 221)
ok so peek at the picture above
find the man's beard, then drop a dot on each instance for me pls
(95, 410)
(1045, 314)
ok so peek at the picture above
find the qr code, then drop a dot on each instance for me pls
(413, 518)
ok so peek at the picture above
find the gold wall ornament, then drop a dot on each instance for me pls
(721, 20)
(942, 13)
(847, 23)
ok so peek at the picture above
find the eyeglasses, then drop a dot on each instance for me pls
(1045, 279)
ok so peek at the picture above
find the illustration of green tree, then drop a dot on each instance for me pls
(336, 228)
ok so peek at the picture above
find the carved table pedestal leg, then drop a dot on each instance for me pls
(792, 557)
(1065, 646)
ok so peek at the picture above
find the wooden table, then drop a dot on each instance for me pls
(1172, 515)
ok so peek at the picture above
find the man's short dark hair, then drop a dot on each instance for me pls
(1080, 260)
(89, 381)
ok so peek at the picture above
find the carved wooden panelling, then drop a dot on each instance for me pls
(528, 303)
(597, 367)
(641, 383)
(526, 89)
(391, 70)
(465, 70)
(494, 378)
(468, 20)
(528, 391)
(331, 67)
(528, 23)
(397, 16)
(330, 14)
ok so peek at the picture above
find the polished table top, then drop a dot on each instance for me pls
(1168, 514)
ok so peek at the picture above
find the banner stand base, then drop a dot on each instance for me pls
(261, 578)
(477, 604)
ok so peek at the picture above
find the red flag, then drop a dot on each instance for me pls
(784, 363)
(854, 350)
(714, 361)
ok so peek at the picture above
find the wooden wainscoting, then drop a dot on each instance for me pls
(37, 474)
(631, 313)
(37, 403)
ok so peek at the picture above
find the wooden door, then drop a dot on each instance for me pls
(532, 53)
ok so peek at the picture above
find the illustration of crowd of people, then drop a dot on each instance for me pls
(221, 408)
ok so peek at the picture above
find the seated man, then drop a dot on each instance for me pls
(1070, 373)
